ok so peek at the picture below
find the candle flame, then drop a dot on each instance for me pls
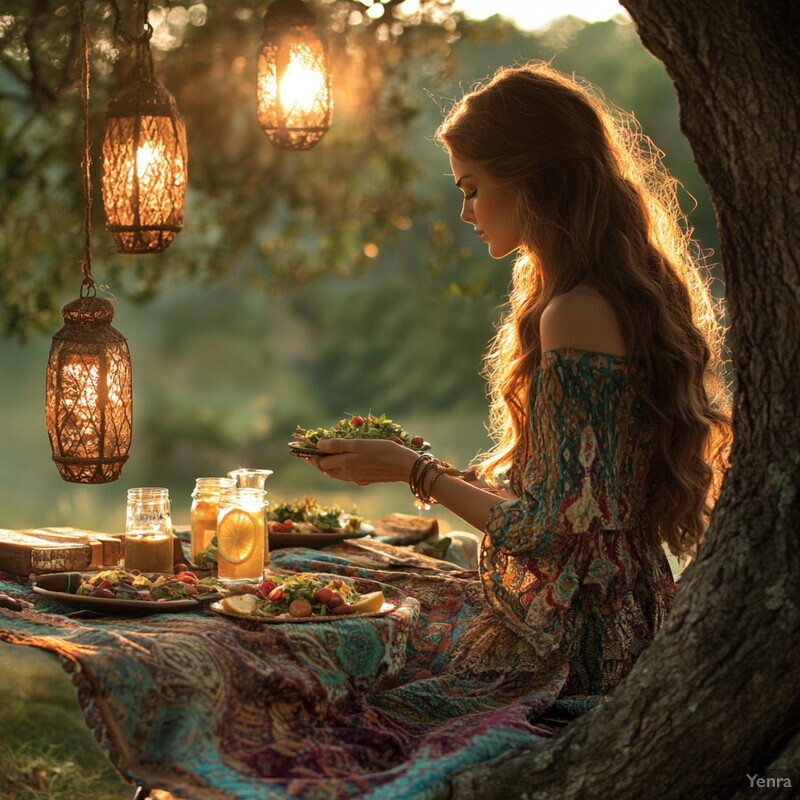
(302, 82)
(146, 154)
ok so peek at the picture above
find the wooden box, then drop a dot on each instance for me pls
(42, 550)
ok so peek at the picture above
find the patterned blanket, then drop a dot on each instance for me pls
(207, 706)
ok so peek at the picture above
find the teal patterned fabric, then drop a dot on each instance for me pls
(211, 707)
(467, 664)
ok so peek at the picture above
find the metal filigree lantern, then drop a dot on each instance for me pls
(89, 398)
(295, 101)
(144, 168)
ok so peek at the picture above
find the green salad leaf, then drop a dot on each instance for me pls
(323, 518)
(356, 427)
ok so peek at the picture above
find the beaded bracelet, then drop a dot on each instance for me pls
(419, 471)
(422, 463)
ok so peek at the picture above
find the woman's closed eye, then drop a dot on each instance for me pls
(470, 194)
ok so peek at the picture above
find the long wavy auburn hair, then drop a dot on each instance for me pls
(596, 207)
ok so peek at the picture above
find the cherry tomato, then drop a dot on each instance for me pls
(275, 594)
(342, 609)
(299, 608)
(417, 441)
(335, 601)
(357, 421)
(323, 595)
(265, 587)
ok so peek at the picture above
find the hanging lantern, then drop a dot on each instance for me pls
(295, 102)
(144, 168)
(89, 396)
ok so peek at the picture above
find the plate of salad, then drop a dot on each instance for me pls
(304, 597)
(306, 523)
(128, 592)
(354, 426)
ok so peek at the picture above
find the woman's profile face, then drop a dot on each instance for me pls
(489, 208)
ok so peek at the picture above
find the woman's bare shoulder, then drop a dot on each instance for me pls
(584, 320)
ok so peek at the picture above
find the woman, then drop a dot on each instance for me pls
(607, 398)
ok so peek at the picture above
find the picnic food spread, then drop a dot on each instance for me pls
(355, 427)
(302, 596)
(122, 584)
(237, 534)
(310, 517)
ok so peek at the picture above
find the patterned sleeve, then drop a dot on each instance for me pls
(591, 444)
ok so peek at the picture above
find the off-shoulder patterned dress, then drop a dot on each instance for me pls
(567, 567)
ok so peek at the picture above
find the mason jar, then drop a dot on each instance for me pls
(205, 509)
(242, 534)
(148, 530)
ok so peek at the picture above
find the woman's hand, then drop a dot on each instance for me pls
(364, 461)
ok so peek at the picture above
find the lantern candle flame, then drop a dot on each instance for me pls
(300, 85)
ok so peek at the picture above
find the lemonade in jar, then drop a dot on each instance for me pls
(241, 534)
(204, 513)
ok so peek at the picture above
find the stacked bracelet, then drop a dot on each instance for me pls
(418, 482)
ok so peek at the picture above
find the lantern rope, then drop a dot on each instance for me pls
(88, 283)
(141, 43)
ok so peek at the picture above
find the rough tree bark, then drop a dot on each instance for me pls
(717, 697)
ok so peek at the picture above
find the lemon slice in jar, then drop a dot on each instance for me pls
(237, 533)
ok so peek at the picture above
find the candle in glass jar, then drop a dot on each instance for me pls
(148, 551)
(148, 530)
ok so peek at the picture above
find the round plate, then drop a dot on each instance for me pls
(315, 541)
(286, 618)
(120, 607)
(305, 450)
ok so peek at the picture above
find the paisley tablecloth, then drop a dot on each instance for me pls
(206, 706)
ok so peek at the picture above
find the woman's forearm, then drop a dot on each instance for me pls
(470, 503)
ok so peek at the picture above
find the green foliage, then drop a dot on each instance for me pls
(403, 349)
(267, 217)
(261, 217)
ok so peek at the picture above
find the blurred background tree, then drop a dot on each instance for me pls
(304, 285)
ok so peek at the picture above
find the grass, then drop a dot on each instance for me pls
(46, 750)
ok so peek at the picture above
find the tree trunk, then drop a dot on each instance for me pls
(716, 699)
